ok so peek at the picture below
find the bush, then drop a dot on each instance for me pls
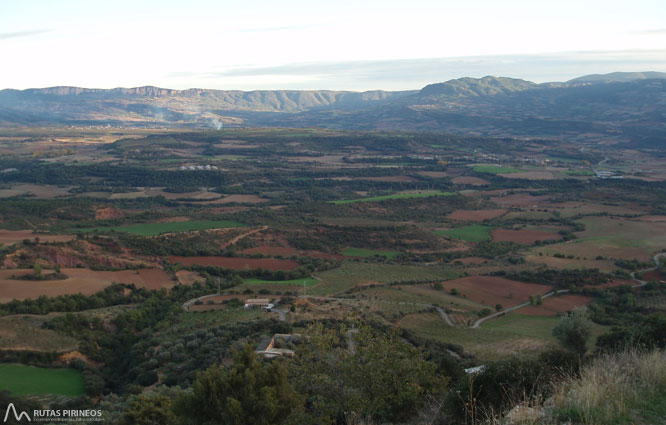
(573, 330)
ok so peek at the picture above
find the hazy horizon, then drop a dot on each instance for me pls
(304, 45)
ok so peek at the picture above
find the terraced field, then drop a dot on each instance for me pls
(394, 196)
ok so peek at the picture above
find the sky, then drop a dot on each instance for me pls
(309, 44)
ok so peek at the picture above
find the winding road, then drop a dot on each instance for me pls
(282, 314)
(562, 291)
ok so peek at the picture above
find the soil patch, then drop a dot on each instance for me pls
(475, 215)
(8, 237)
(530, 175)
(523, 236)
(519, 200)
(492, 290)
(79, 280)
(552, 306)
(472, 181)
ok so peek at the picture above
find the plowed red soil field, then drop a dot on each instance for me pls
(475, 215)
(523, 236)
(556, 304)
(474, 181)
(8, 237)
(491, 290)
(79, 280)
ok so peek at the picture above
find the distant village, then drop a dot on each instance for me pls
(198, 167)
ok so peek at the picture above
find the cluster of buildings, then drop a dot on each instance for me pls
(607, 175)
(259, 303)
(198, 167)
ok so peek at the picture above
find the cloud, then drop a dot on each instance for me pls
(27, 33)
(657, 31)
(285, 28)
(409, 74)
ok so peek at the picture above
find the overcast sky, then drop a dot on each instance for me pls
(309, 44)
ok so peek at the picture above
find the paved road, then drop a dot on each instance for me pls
(633, 276)
(499, 313)
(444, 315)
(656, 262)
(186, 305)
(281, 313)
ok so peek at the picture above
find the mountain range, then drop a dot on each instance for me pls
(617, 107)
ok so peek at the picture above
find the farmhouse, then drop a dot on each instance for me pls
(267, 349)
(258, 303)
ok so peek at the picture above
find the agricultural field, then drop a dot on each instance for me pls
(8, 237)
(476, 215)
(154, 229)
(555, 305)
(394, 196)
(474, 233)
(309, 281)
(471, 181)
(237, 263)
(365, 253)
(490, 290)
(615, 238)
(78, 281)
(568, 263)
(353, 274)
(29, 380)
(484, 344)
(495, 169)
(525, 237)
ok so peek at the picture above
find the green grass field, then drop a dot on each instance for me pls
(294, 282)
(474, 233)
(486, 344)
(494, 169)
(530, 326)
(154, 229)
(353, 273)
(22, 380)
(360, 252)
(579, 173)
(394, 196)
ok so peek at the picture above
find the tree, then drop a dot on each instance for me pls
(364, 375)
(149, 411)
(498, 307)
(438, 286)
(573, 330)
(250, 392)
(38, 270)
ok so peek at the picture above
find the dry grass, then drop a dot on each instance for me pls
(616, 389)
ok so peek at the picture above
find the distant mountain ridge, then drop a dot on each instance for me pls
(618, 77)
(473, 87)
(620, 107)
